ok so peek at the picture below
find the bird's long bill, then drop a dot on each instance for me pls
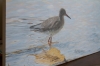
(68, 16)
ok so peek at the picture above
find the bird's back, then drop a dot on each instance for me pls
(47, 24)
(51, 24)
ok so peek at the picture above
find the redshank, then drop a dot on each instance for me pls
(51, 26)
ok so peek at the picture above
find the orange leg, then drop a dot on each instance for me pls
(50, 41)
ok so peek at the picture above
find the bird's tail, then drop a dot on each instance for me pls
(36, 27)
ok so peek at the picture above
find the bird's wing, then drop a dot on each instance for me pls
(37, 27)
(46, 25)
(50, 23)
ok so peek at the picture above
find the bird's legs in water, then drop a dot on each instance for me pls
(50, 41)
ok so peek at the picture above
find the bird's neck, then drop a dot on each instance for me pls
(61, 17)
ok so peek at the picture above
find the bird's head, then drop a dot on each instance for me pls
(63, 12)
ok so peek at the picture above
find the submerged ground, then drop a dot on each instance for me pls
(80, 35)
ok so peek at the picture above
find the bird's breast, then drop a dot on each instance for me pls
(57, 28)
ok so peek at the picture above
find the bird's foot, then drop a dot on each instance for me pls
(55, 42)
(50, 44)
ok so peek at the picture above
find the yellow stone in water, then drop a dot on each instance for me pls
(52, 56)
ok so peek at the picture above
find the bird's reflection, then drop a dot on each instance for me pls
(51, 56)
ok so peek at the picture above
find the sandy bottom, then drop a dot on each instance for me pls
(50, 57)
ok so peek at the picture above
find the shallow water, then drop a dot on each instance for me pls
(80, 35)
